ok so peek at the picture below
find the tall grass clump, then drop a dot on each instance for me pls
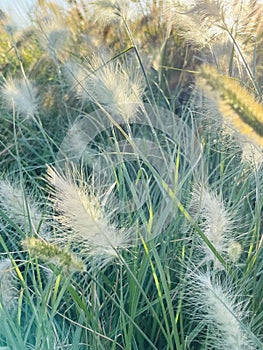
(131, 176)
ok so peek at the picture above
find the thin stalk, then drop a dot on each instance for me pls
(243, 60)
(138, 56)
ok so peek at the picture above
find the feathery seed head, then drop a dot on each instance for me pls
(221, 310)
(20, 207)
(52, 30)
(206, 22)
(242, 113)
(234, 251)
(76, 75)
(53, 254)
(108, 11)
(251, 154)
(53, 37)
(21, 95)
(56, 39)
(8, 286)
(216, 223)
(84, 224)
(113, 84)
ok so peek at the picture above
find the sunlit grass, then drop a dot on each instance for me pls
(130, 211)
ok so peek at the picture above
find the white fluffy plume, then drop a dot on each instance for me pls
(84, 224)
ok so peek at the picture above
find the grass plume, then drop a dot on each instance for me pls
(248, 112)
(21, 95)
(50, 253)
(21, 207)
(217, 224)
(110, 83)
(8, 286)
(86, 225)
(219, 308)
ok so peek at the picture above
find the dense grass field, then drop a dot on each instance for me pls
(131, 183)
